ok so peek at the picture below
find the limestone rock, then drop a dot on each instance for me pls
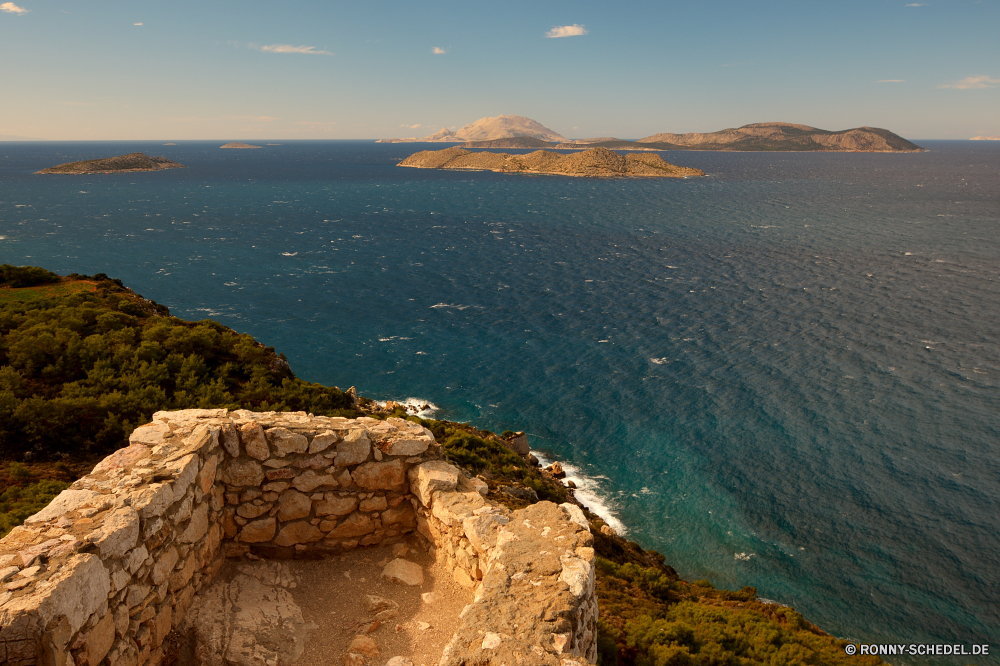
(364, 645)
(399, 661)
(100, 639)
(310, 481)
(153, 500)
(251, 621)
(354, 449)
(323, 441)
(354, 525)
(374, 504)
(184, 469)
(198, 526)
(432, 476)
(298, 533)
(150, 434)
(258, 531)
(254, 442)
(401, 515)
(293, 504)
(230, 440)
(380, 475)
(284, 441)
(243, 473)
(332, 505)
(77, 588)
(118, 534)
(404, 572)
(66, 501)
(519, 444)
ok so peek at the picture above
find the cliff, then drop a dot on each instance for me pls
(499, 127)
(786, 137)
(593, 163)
(119, 164)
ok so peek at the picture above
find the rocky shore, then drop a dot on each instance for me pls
(593, 163)
(118, 164)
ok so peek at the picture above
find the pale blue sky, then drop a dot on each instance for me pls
(236, 70)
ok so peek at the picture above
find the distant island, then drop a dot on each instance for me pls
(519, 132)
(119, 164)
(985, 138)
(499, 127)
(237, 144)
(593, 163)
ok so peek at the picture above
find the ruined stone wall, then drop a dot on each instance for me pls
(102, 574)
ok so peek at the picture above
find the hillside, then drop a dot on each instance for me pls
(485, 129)
(593, 163)
(786, 137)
(119, 164)
(102, 356)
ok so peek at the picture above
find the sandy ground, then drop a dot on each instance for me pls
(333, 594)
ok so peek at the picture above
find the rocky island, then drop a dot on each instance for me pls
(119, 164)
(593, 163)
(237, 144)
(518, 132)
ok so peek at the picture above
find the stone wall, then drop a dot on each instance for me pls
(102, 574)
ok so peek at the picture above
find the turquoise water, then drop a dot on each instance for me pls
(782, 375)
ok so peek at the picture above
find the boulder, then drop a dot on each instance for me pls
(519, 444)
(404, 572)
(431, 476)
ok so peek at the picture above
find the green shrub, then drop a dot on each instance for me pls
(25, 276)
(18, 503)
(78, 372)
(19, 472)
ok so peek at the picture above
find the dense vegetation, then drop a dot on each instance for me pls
(79, 370)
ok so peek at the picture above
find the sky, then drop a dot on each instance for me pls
(111, 70)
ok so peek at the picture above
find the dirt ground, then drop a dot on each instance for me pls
(333, 594)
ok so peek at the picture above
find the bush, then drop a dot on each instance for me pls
(18, 503)
(25, 276)
(79, 372)
(18, 472)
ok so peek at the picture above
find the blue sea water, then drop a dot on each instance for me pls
(785, 374)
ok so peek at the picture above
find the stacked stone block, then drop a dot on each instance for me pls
(102, 574)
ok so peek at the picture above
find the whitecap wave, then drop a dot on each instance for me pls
(590, 493)
(416, 406)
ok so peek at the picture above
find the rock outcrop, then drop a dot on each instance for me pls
(594, 163)
(119, 164)
(116, 561)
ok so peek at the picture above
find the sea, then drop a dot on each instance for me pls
(784, 374)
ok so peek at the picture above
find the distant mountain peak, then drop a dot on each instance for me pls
(485, 129)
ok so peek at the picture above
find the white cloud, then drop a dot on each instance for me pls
(289, 48)
(891, 81)
(574, 30)
(139, 23)
(11, 8)
(973, 83)
(917, 4)
(412, 126)
(437, 50)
